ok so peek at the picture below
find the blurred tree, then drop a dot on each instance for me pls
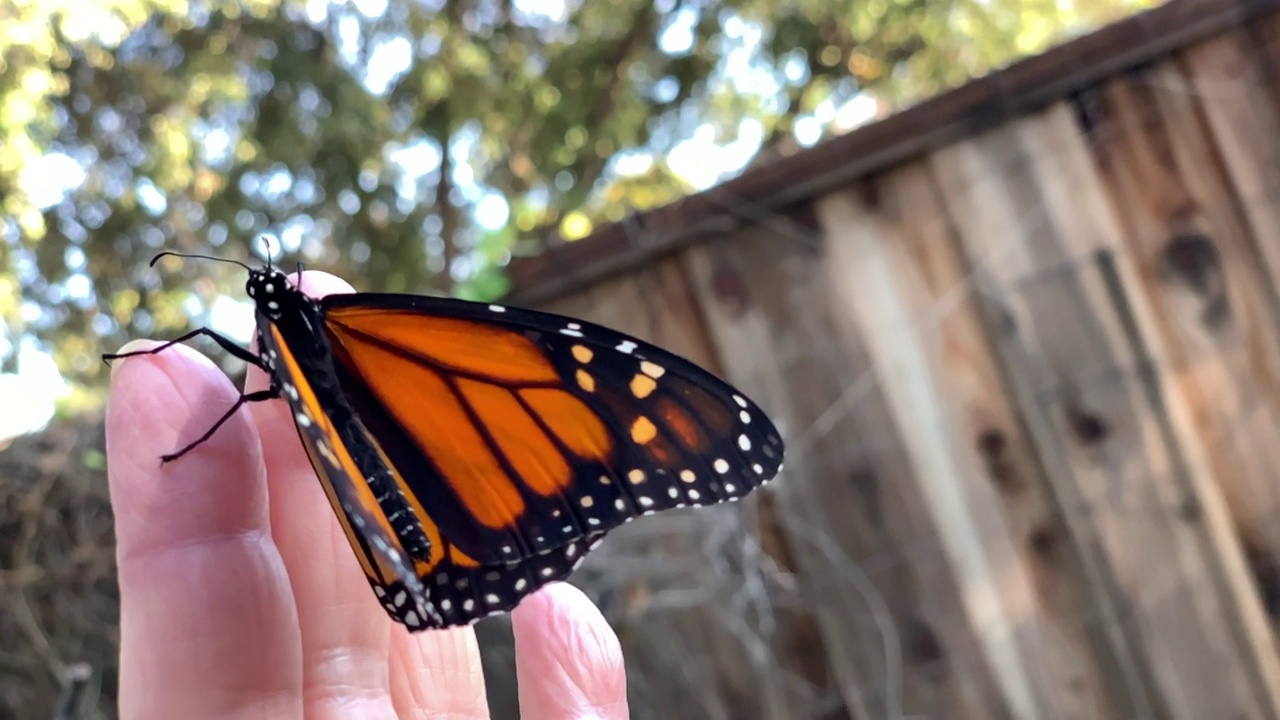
(408, 146)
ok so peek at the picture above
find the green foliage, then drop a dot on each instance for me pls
(408, 149)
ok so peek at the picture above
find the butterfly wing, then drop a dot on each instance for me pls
(527, 433)
(433, 585)
(333, 449)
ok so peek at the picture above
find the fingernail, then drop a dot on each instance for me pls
(131, 346)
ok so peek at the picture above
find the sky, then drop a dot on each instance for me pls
(698, 160)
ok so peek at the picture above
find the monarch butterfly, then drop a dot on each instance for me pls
(473, 452)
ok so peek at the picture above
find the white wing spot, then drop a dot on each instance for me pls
(548, 572)
(730, 487)
(270, 288)
(571, 332)
(588, 501)
(722, 467)
(446, 604)
(741, 402)
(411, 619)
(745, 417)
(273, 305)
(400, 598)
(497, 308)
(593, 521)
(604, 480)
(568, 529)
(520, 584)
(377, 590)
(570, 551)
(293, 391)
(744, 442)
(506, 549)
(759, 470)
(688, 476)
(574, 326)
(673, 492)
(645, 501)
(492, 599)
(620, 504)
(302, 419)
(694, 495)
(468, 605)
(626, 346)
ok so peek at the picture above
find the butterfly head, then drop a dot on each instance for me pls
(270, 290)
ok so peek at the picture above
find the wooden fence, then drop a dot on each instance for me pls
(1023, 341)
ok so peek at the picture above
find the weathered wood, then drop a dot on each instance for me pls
(1025, 352)
(1031, 214)
(897, 270)
(1237, 85)
(1197, 266)
(867, 564)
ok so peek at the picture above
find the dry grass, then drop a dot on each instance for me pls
(59, 603)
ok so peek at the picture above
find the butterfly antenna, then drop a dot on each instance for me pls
(266, 240)
(194, 256)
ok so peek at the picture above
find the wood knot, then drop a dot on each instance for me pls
(1043, 541)
(1089, 427)
(1191, 259)
(993, 447)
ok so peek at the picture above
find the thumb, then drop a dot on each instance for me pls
(568, 660)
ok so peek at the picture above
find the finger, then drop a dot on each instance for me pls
(345, 632)
(438, 674)
(568, 660)
(207, 626)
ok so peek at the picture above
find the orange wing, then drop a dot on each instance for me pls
(523, 433)
(424, 585)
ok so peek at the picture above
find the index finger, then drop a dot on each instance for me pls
(207, 627)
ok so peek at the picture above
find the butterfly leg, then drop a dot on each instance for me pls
(268, 394)
(223, 341)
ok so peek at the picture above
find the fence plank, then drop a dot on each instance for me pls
(868, 565)
(1030, 195)
(1238, 89)
(897, 270)
(1207, 290)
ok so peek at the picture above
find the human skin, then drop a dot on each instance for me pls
(241, 598)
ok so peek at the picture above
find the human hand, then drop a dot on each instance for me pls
(240, 596)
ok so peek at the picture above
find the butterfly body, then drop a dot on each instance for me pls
(473, 452)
